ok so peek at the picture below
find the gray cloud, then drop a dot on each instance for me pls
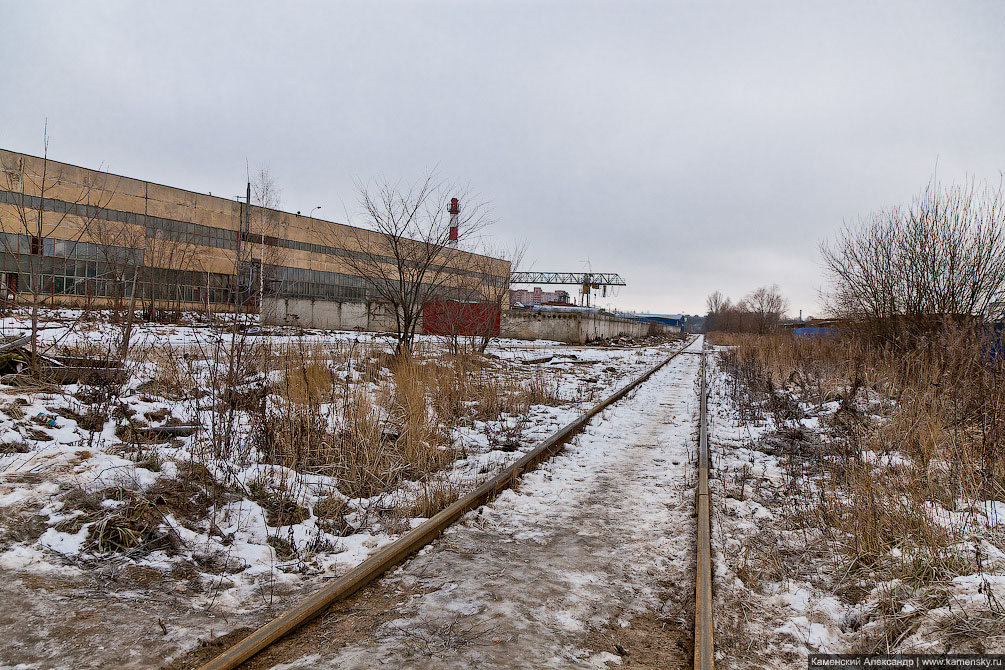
(688, 146)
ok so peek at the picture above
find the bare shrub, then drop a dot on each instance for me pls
(175, 374)
(909, 270)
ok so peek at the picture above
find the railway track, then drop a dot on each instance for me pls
(704, 658)
(419, 537)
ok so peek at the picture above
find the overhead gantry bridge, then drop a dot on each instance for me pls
(595, 279)
(587, 280)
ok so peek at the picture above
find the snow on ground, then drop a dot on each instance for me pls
(597, 535)
(221, 566)
(784, 588)
(71, 327)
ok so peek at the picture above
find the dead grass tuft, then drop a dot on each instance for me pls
(120, 520)
(191, 494)
(915, 431)
(434, 497)
(176, 376)
(278, 501)
(331, 513)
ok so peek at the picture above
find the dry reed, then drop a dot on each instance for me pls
(916, 433)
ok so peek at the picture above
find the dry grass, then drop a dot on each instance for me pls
(936, 412)
(134, 523)
(331, 513)
(126, 520)
(347, 410)
(434, 496)
(278, 501)
(175, 376)
(320, 424)
(470, 388)
(372, 420)
(421, 438)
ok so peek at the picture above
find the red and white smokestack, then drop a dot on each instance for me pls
(455, 209)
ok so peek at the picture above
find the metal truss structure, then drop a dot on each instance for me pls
(569, 278)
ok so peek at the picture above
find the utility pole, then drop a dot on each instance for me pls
(236, 291)
(261, 256)
(243, 234)
(313, 236)
(247, 224)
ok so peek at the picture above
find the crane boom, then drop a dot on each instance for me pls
(581, 278)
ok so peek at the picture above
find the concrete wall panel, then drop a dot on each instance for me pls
(573, 327)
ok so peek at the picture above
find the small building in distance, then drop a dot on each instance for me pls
(538, 297)
(676, 320)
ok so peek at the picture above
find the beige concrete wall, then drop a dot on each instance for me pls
(80, 185)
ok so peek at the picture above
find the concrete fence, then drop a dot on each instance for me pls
(327, 314)
(575, 327)
(570, 327)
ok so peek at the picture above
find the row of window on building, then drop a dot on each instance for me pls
(67, 267)
(159, 227)
(189, 233)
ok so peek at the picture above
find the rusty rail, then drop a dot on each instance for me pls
(410, 542)
(703, 653)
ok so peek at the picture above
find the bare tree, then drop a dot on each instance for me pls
(760, 311)
(45, 200)
(169, 258)
(715, 302)
(122, 246)
(149, 265)
(470, 314)
(766, 306)
(262, 256)
(496, 291)
(403, 254)
(906, 269)
(715, 305)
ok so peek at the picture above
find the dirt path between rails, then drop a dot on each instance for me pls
(587, 563)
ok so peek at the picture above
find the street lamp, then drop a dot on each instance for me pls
(313, 236)
(311, 216)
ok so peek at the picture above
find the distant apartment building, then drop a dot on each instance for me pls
(537, 296)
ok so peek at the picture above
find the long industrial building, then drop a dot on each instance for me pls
(87, 236)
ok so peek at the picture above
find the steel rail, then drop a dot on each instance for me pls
(703, 653)
(412, 541)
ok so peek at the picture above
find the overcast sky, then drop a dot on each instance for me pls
(688, 146)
